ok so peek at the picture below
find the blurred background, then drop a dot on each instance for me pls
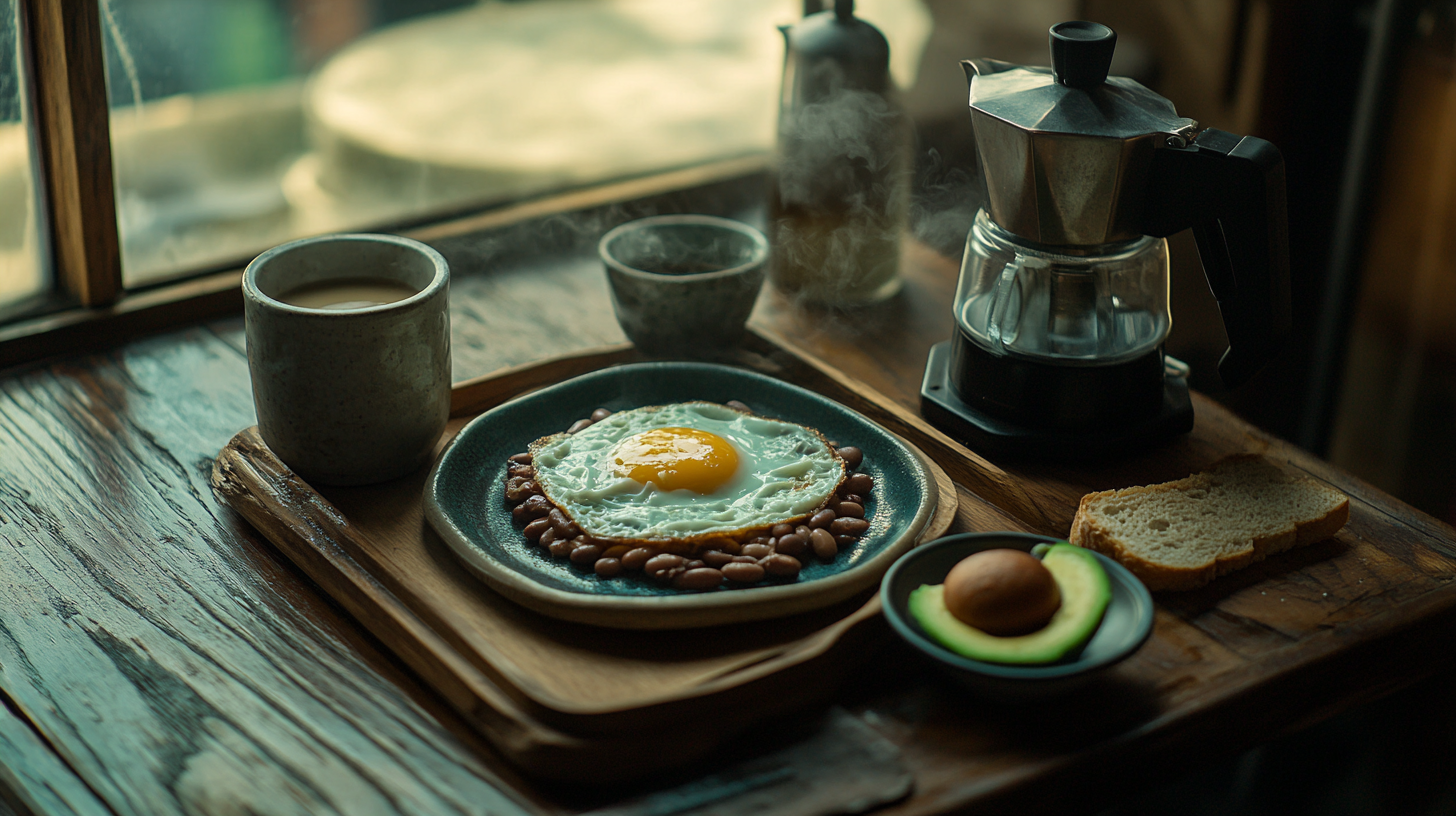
(238, 124)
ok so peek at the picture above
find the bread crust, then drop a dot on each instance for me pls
(1086, 532)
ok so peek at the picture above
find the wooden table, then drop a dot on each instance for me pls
(157, 656)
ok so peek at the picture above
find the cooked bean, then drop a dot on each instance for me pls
(600, 414)
(823, 543)
(534, 530)
(745, 559)
(717, 558)
(521, 458)
(781, 530)
(851, 455)
(563, 526)
(860, 483)
(791, 544)
(518, 469)
(850, 509)
(520, 488)
(845, 540)
(694, 563)
(743, 573)
(852, 498)
(849, 526)
(822, 518)
(562, 547)
(759, 540)
(782, 565)
(636, 558)
(585, 553)
(700, 578)
(757, 550)
(659, 564)
(739, 405)
(532, 508)
(608, 567)
(579, 425)
(803, 531)
(547, 536)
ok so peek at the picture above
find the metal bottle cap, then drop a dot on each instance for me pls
(833, 50)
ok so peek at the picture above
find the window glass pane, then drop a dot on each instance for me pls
(237, 124)
(22, 275)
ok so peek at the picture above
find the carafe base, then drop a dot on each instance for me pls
(943, 407)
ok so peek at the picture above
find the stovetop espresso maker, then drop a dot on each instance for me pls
(1062, 305)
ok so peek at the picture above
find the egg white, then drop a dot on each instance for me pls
(785, 471)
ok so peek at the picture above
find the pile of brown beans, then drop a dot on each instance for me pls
(780, 551)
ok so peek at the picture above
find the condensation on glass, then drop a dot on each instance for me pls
(23, 275)
(237, 125)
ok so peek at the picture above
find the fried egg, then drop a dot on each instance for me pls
(685, 472)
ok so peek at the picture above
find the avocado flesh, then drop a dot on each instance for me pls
(1085, 594)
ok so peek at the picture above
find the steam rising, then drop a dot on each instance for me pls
(841, 191)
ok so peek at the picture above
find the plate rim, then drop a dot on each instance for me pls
(689, 610)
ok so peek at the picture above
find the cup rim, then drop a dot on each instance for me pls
(440, 279)
(760, 246)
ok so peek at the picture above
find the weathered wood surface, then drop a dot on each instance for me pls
(174, 663)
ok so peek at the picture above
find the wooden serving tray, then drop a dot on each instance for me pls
(553, 696)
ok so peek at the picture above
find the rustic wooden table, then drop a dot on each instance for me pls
(158, 656)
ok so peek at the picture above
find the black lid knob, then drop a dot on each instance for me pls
(1081, 53)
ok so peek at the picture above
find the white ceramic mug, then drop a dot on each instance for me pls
(354, 394)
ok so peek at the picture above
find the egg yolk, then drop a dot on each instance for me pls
(677, 459)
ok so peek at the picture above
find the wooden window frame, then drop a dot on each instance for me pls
(62, 50)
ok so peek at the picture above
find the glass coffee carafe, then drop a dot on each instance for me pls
(1061, 310)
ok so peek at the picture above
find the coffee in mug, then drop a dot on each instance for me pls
(347, 293)
(349, 352)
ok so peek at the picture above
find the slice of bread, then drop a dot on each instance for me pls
(1183, 534)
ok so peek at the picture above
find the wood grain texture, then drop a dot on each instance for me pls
(172, 660)
(34, 778)
(73, 122)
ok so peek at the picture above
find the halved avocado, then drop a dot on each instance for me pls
(1085, 594)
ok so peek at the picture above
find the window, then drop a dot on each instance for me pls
(234, 125)
(237, 124)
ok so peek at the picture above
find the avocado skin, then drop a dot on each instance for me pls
(1085, 594)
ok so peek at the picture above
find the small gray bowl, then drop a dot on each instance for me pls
(1125, 626)
(684, 285)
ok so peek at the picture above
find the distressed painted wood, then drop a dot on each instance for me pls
(173, 661)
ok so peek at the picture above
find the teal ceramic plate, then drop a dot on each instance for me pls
(465, 503)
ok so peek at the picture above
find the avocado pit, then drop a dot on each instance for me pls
(1002, 592)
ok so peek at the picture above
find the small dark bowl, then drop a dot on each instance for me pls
(1125, 626)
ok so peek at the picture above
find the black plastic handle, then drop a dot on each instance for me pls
(1230, 191)
(1081, 53)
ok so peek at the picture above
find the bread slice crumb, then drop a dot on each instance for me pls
(1180, 535)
